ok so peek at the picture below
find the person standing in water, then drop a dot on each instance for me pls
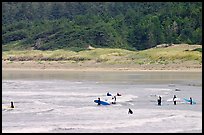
(99, 101)
(114, 100)
(174, 99)
(191, 101)
(130, 111)
(159, 100)
(12, 106)
(108, 94)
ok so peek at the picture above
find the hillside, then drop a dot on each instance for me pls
(75, 25)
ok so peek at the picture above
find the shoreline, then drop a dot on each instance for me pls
(98, 70)
(95, 67)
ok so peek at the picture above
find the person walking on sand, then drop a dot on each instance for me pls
(174, 99)
(159, 100)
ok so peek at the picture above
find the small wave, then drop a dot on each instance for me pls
(63, 128)
(158, 89)
(78, 82)
(131, 103)
(26, 130)
(44, 111)
(6, 110)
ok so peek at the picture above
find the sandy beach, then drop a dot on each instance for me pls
(88, 66)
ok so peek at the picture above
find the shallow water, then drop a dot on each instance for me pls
(62, 101)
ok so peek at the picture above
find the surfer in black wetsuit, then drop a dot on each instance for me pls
(159, 100)
(174, 99)
(130, 111)
(99, 101)
(12, 106)
(191, 101)
(114, 100)
(108, 94)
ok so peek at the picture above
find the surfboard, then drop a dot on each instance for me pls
(188, 100)
(102, 102)
(7, 108)
(171, 99)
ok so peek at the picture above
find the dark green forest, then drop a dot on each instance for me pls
(75, 25)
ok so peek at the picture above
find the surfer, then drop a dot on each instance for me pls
(99, 101)
(191, 101)
(174, 99)
(114, 100)
(108, 94)
(12, 106)
(130, 111)
(159, 100)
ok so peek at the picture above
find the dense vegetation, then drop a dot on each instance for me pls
(75, 25)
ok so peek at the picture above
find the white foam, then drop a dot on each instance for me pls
(154, 120)
(158, 89)
(27, 130)
(112, 118)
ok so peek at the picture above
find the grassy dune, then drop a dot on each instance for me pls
(176, 53)
(179, 57)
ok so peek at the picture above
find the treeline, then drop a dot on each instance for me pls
(127, 25)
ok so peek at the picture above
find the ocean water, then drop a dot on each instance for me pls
(62, 102)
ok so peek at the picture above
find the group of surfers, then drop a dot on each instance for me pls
(174, 100)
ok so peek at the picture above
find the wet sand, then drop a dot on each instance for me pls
(88, 66)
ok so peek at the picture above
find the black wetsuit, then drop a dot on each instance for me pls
(12, 106)
(99, 101)
(159, 101)
(130, 111)
(174, 100)
(191, 101)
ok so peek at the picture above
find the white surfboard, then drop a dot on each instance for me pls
(171, 99)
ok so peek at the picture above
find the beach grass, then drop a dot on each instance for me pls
(178, 53)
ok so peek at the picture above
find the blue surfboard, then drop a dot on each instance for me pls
(188, 100)
(102, 102)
